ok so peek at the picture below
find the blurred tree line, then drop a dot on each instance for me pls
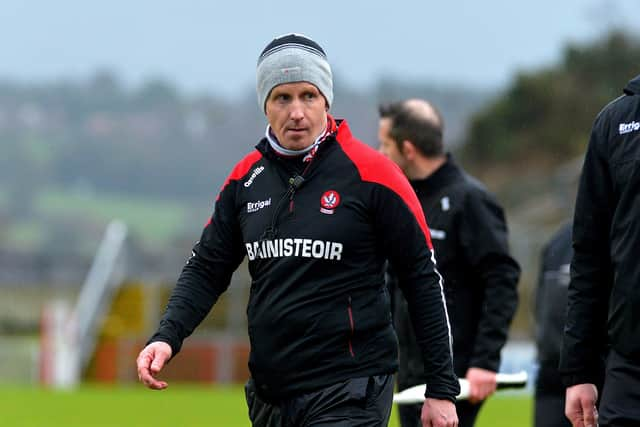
(544, 117)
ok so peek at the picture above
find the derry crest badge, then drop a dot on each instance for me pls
(329, 202)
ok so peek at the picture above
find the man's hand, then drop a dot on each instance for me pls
(438, 413)
(482, 384)
(580, 406)
(150, 362)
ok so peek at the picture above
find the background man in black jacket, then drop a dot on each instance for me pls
(469, 234)
(550, 315)
(317, 213)
(604, 293)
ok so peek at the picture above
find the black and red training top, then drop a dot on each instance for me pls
(317, 235)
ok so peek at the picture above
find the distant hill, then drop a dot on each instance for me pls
(154, 141)
(76, 153)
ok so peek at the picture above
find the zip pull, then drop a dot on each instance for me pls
(292, 192)
(294, 183)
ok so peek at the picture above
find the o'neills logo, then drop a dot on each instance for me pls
(329, 202)
(255, 173)
(305, 248)
(256, 206)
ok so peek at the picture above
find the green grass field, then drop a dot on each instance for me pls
(154, 220)
(184, 406)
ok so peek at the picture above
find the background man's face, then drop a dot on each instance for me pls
(297, 114)
(388, 145)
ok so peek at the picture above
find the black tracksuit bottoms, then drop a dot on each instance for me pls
(357, 402)
(620, 401)
(549, 397)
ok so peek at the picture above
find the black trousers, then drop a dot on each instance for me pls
(467, 414)
(358, 402)
(261, 413)
(550, 397)
(549, 411)
(620, 401)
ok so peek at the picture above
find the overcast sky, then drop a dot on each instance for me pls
(213, 45)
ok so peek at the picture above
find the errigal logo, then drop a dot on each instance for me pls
(256, 206)
(628, 127)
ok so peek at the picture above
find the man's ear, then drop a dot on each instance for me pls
(408, 149)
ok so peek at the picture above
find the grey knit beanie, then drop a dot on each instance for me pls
(293, 58)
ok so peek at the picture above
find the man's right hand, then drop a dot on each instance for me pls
(150, 362)
(580, 406)
(439, 413)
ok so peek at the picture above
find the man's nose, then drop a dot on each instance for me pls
(297, 110)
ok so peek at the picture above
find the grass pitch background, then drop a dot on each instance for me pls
(179, 405)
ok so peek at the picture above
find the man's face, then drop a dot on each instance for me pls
(297, 114)
(388, 145)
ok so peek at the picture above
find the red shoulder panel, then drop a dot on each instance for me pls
(374, 167)
(241, 169)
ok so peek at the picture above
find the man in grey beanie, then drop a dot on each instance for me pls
(317, 213)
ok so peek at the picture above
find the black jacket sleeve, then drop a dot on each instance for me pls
(551, 297)
(538, 300)
(581, 360)
(484, 241)
(206, 275)
(408, 248)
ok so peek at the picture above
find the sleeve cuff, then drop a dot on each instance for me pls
(443, 392)
(175, 344)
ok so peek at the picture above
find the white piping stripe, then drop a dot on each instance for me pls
(444, 302)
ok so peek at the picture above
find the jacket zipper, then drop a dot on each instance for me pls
(352, 326)
(292, 192)
(291, 202)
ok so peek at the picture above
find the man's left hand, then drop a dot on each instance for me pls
(438, 413)
(482, 384)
